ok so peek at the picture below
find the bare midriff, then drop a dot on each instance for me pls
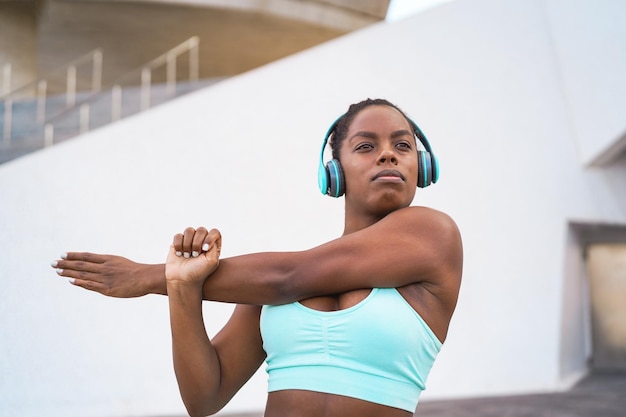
(302, 403)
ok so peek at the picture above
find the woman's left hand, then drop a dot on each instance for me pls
(193, 256)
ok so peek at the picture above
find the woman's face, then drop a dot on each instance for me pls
(379, 160)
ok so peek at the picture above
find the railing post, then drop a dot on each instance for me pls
(116, 103)
(42, 87)
(194, 61)
(48, 135)
(96, 75)
(8, 119)
(6, 79)
(146, 76)
(170, 72)
(84, 118)
(70, 98)
(8, 103)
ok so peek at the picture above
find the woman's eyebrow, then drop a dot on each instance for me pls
(371, 135)
(364, 134)
(400, 133)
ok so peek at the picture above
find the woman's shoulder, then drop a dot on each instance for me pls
(422, 216)
(427, 228)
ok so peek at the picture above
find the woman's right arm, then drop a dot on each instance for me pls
(208, 372)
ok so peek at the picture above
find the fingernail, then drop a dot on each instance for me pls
(54, 264)
(205, 247)
(179, 253)
(195, 254)
(64, 256)
(59, 271)
(71, 281)
(186, 254)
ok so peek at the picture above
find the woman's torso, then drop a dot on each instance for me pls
(316, 404)
(428, 304)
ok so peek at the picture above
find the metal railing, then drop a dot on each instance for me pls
(8, 102)
(40, 87)
(143, 77)
(6, 79)
(169, 60)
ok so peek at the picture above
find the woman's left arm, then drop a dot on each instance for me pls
(414, 244)
(410, 245)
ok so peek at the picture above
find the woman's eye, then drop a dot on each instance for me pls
(405, 145)
(364, 147)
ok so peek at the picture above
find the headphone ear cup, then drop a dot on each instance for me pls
(424, 169)
(435, 168)
(322, 178)
(336, 182)
(427, 162)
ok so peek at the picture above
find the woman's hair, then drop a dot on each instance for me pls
(342, 124)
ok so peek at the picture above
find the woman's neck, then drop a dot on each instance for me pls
(354, 223)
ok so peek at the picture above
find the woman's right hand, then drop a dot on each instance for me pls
(193, 256)
(110, 275)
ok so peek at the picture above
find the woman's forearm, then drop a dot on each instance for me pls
(196, 362)
(153, 278)
(260, 278)
(246, 279)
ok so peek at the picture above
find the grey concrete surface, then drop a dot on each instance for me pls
(600, 394)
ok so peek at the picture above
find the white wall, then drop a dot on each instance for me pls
(592, 60)
(483, 80)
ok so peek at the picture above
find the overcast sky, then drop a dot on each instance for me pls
(399, 9)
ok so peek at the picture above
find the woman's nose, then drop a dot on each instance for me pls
(387, 155)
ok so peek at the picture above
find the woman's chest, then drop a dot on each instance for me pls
(336, 302)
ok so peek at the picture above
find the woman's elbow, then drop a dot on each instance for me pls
(204, 406)
(201, 410)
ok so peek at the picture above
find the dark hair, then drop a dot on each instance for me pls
(342, 124)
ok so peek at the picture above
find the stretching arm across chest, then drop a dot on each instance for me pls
(407, 246)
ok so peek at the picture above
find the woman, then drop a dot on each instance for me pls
(348, 328)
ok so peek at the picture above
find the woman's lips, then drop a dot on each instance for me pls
(389, 175)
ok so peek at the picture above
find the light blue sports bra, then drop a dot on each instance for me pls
(379, 350)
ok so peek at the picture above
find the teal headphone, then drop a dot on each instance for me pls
(330, 178)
